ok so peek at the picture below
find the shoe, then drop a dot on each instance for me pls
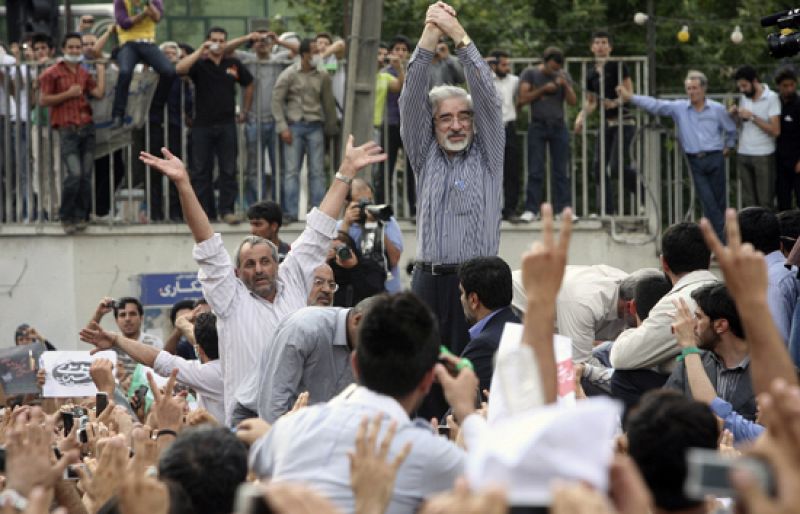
(116, 123)
(527, 217)
(82, 225)
(69, 227)
(231, 219)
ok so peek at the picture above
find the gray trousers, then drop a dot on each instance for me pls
(757, 173)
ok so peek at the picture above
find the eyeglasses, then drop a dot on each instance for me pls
(332, 285)
(463, 117)
(87, 20)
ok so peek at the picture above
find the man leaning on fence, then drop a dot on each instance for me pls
(64, 88)
(700, 123)
(455, 142)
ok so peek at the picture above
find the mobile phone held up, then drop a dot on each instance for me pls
(708, 473)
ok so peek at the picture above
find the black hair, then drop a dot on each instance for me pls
(39, 37)
(325, 35)
(383, 45)
(648, 291)
(179, 501)
(760, 227)
(68, 36)
(789, 222)
(490, 278)
(179, 306)
(553, 53)
(684, 249)
(210, 463)
(305, 46)
(398, 343)
(189, 49)
(785, 73)
(661, 429)
(400, 40)
(717, 303)
(746, 72)
(603, 34)
(216, 28)
(125, 300)
(499, 54)
(267, 210)
(205, 333)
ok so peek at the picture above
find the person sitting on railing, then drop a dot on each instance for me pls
(136, 21)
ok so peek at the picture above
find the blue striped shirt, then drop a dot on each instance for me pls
(459, 198)
(697, 131)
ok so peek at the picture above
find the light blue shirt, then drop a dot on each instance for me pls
(311, 446)
(742, 429)
(781, 292)
(395, 235)
(697, 131)
(477, 328)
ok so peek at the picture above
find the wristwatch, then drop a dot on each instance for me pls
(344, 178)
(464, 42)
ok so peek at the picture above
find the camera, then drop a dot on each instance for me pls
(343, 252)
(381, 213)
(785, 42)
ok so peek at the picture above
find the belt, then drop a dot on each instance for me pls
(700, 155)
(438, 269)
(143, 40)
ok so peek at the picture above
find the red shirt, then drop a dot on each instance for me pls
(75, 111)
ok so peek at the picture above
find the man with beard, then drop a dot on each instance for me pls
(128, 313)
(251, 294)
(787, 151)
(214, 126)
(455, 143)
(759, 114)
(717, 342)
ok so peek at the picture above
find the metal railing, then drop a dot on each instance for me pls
(122, 189)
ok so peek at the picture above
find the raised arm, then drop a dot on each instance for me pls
(102, 340)
(684, 325)
(97, 49)
(185, 64)
(355, 158)
(174, 169)
(99, 88)
(745, 273)
(543, 268)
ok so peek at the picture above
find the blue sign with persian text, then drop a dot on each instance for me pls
(164, 289)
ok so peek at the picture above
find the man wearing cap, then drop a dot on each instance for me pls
(455, 141)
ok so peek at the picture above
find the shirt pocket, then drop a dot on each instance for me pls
(464, 195)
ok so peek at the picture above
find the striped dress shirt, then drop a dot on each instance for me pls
(246, 322)
(459, 198)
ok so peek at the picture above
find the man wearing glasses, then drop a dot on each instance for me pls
(455, 143)
(86, 23)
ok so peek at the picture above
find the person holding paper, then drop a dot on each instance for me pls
(204, 376)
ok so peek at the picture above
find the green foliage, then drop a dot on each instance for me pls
(526, 27)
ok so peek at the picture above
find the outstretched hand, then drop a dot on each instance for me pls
(94, 334)
(357, 157)
(171, 166)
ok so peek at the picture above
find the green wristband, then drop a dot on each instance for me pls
(688, 351)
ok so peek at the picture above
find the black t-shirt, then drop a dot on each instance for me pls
(215, 90)
(787, 150)
(610, 83)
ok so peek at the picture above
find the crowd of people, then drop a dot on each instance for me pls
(306, 380)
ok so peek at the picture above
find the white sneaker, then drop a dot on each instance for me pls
(527, 217)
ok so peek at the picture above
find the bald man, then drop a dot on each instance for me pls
(323, 287)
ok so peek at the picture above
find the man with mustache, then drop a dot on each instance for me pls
(455, 141)
(322, 287)
(250, 294)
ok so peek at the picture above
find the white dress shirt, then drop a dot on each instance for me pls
(205, 379)
(652, 344)
(246, 322)
(507, 88)
(311, 446)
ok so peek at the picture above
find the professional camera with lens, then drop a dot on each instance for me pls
(382, 213)
(785, 42)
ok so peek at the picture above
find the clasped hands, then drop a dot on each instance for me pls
(443, 17)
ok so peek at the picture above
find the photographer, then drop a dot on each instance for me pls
(128, 313)
(378, 238)
(358, 277)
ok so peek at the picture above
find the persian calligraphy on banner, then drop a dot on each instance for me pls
(67, 373)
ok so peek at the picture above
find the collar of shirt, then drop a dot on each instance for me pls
(340, 339)
(380, 402)
(699, 275)
(721, 364)
(774, 258)
(478, 327)
(690, 106)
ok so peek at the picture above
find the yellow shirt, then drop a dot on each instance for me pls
(144, 29)
(381, 89)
